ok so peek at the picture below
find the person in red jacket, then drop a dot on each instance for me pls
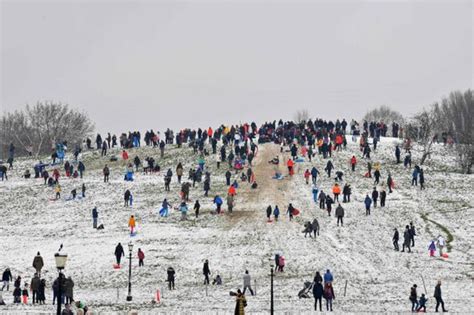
(124, 155)
(141, 257)
(307, 174)
(353, 163)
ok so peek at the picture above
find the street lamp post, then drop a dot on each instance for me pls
(130, 249)
(60, 264)
(271, 290)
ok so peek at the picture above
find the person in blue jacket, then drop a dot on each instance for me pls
(164, 208)
(218, 202)
(314, 174)
(414, 179)
(367, 203)
(183, 208)
(315, 193)
(328, 277)
(276, 213)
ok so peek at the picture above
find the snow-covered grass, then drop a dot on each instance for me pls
(361, 253)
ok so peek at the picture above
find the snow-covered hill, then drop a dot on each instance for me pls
(359, 254)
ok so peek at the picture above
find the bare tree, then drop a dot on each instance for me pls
(384, 113)
(422, 128)
(36, 129)
(457, 114)
(301, 115)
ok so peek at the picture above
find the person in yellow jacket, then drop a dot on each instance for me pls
(131, 224)
(57, 189)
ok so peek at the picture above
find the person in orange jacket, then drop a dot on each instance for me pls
(231, 190)
(336, 190)
(290, 165)
(353, 163)
(307, 174)
(131, 224)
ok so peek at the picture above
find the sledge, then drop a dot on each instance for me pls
(133, 234)
(445, 255)
(296, 212)
(116, 266)
(269, 221)
(299, 160)
(278, 177)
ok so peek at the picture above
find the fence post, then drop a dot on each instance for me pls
(345, 287)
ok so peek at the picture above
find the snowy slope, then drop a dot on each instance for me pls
(360, 253)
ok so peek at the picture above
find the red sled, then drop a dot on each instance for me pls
(366, 174)
(269, 221)
(117, 266)
(445, 255)
(296, 212)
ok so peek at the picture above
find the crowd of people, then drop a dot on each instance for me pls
(237, 146)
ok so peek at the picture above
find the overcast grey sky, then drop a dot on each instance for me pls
(139, 65)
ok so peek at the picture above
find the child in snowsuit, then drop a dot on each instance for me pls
(432, 248)
(24, 294)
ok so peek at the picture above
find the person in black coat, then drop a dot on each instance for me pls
(206, 272)
(395, 238)
(171, 275)
(269, 212)
(7, 278)
(228, 175)
(406, 239)
(412, 234)
(375, 196)
(197, 206)
(438, 297)
(318, 295)
(126, 197)
(119, 253)
(383, 196)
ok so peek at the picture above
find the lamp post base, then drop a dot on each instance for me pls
(129, 298)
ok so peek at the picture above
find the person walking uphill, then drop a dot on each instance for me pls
(413, 298)
(126, 198)
(247, 282)
(38, 263)
(206, 271)
(367, 203)
(329, 295)
(318, 292)
(406, 239)
(171, 276)
(438, 297)
(340, 214)
(119, 253)
(141, 257)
